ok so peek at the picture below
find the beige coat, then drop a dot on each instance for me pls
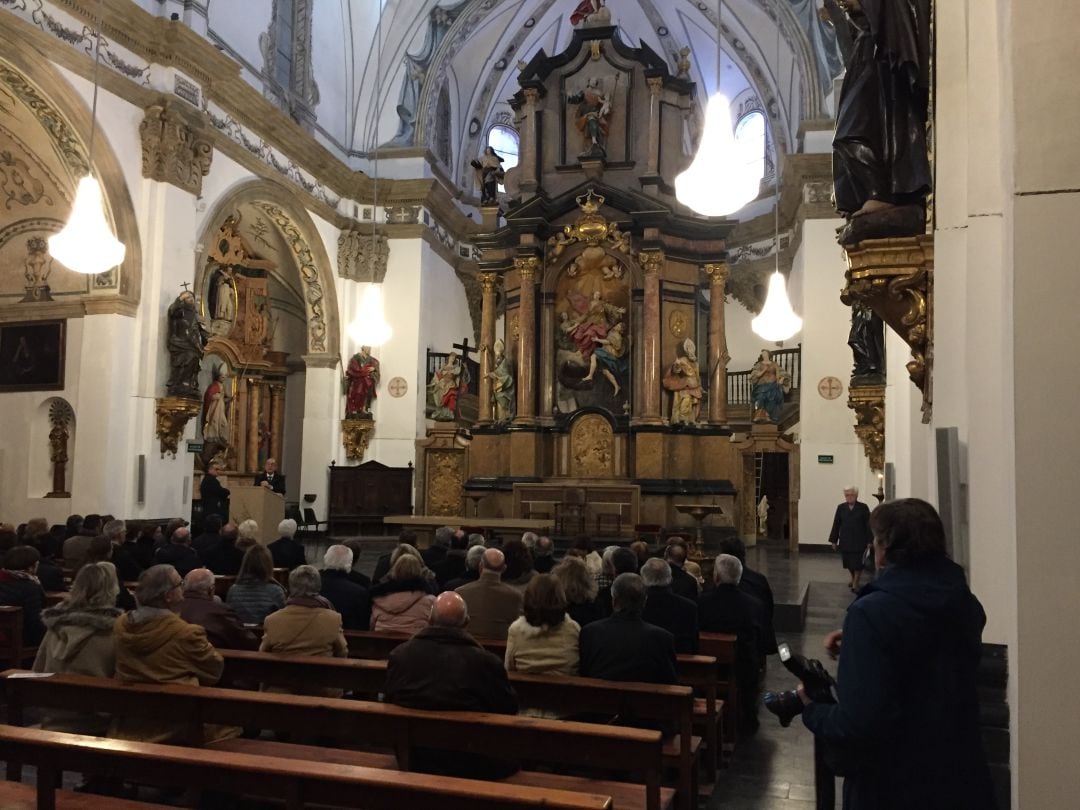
(543, 649)
(301, 630)
(493, 606)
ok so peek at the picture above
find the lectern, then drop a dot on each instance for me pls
(259, 504)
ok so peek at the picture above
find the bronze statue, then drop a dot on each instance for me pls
(593, 115)
(683, 379)
(881, 169)
(867, 342)
(186, 341)
(489, 173)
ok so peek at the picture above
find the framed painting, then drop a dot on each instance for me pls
(32, 356)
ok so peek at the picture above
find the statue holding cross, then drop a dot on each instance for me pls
(448, 383)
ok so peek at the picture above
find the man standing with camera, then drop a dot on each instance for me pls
(851, 534)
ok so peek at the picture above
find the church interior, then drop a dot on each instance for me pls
(625, 274)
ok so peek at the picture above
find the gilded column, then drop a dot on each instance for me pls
(718, 351)
(529, 157)
(240, 418)
(652, 261)
(653, 166)
(254, 406)
(526, 267)
(277, 421)
(488, 281)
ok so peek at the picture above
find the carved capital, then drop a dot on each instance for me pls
(655, 85)
(488, 281)
(652, 261)
(532, 95)
(718, 274)
(362, 256)
(355, 436)
(173, 149)
(527, 267)
(868, 402)
(173, 414)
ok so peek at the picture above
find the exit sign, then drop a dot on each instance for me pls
(824, 459)
(197, 447)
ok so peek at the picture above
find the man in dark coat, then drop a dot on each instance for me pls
(210, 536)
(443, 668)
(223, 627)
(452, 565)
(544, 555)
(286, 550)
(436, 552)
(907, 714)
(382, 565)
(616, 561)
(19, 587)
(682, 583)
(755, 584)
(851, 534)
(213, 496)
(472, 569)
(623, 647)
(224, 559)
(352, 601)
(270, 478)
(668, 610)
(178, 553)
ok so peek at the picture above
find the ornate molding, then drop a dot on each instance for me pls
(488, 281)
(652, 262)
(173, 414)
(355, 436)
(868, 402)
(591, 227)
(173, 150)
(362, 256)
(895, 278)
(718, 274)
(526, 267)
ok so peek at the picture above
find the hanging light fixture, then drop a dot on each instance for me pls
(720, 180)
(777, 321)
(87, 244)
(369, 327)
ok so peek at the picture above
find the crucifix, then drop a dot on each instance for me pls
(185, 285)
(465, 348)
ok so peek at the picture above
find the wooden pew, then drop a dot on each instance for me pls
(557, 693)
(298, 784)
(13, 652)
(721, 646)
(222, 585)
(363, 723)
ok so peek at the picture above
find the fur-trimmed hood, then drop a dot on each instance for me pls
(69, 630)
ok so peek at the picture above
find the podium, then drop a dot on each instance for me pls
(259, 504)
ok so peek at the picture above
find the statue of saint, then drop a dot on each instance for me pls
(867, 342)
(593, 115)
(216, 408)
(489, 173)
(361, 379)
(881, 170)
(224, 295)
(446, 386)
(590, 12)
(763, 515)
(589, 328)
(683, 379)
(769, 384)
(609, 355)
(185, 342)
(503, 388)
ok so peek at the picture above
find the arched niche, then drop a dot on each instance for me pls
(52, 137)
(52, 443)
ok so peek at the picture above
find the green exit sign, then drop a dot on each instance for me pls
(824, 459)
(197, 447)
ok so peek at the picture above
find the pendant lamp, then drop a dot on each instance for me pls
(86, 244)
(719, 181)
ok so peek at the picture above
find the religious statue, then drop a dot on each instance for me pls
(609, 355)
(881, 169)
(593, 116)
(590, 327)
(361, 379)
(682, 63)
(224, 304)
(489, 173)
(216, 408)
(684, 381)
(590, 12)
(763, 515)
(37, 267)
(446, 386)
(768, 383)
(185, 342)
(867, 342)
(502, 384)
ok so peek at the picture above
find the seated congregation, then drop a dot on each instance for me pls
(600, 649)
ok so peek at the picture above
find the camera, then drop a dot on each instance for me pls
(816, 680)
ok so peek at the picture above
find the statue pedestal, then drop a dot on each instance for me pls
(355, 435)
(868, 402)
(489, 217)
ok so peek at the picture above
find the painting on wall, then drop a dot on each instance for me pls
(32, 356)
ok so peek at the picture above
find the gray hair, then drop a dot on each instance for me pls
(287, 528)
(249, 530)
(443, 535)
(529, 539)
(114, 530)
(305, 581)
(472, 557)
(656, 573)
(154, 583)
(338, 558)
(727, 570)
(476, 539)
(199, 580)
(853, 489)
(628, 594)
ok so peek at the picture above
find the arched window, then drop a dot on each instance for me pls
(751, 140)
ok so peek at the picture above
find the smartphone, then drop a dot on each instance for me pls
(785, 653)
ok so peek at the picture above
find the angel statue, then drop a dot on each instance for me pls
(593, 116)
(684, 381)
(489, 173)
(768, 383)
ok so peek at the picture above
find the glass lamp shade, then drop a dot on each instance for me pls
(777, 320)
(86, 244)
(370, 327)
(720, 180)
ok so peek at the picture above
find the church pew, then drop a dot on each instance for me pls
(222, 585)
(13, 651)
(721, 646)
(363, 723)
(555, 693)
(21, 796)
(298, 784)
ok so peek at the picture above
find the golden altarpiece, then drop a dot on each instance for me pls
(596, 290)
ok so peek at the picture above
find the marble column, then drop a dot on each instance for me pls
(652, 262)
(527, 267)
(254, 406)
(277, 426)
(718, 351)
(529, 142)
(239, 419)
(653, 165)
(488, 282)
(547, 364)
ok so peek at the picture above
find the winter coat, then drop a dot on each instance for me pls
(908, 710)
(624, 648)
(19, 589)
(77, 641)
(543, 649)
(349, 599)
(223, 627)
(254, 600)
(403, 606)
(493, 605)
(302, 628)
(851, 528)
(180, 556)
(287, 553)
(676, 615)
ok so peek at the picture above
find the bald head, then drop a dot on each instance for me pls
(201, 580)
(449, 610)
(493, 560)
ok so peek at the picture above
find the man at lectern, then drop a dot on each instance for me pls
(270, 478)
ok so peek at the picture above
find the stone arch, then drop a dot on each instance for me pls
(65, 118)
(308, 252)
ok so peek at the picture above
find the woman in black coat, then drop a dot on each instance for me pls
(851, 534)
(906, 721)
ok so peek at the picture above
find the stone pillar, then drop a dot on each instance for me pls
(321, 428)
(652, 262)
(251, 461)
(488, 281)
(547, 364)
(526, 267)
(653, 165)
(718, 351)
(239, 418)
(529, 141)
(277, 426)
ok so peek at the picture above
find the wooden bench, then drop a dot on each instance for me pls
(557, 693)
(366, 724)
(13, 652)
(721, 646)
(297, 784)
(19, 796)
(222, 585)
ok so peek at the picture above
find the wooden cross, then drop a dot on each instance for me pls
(465, 348)
(185, 285)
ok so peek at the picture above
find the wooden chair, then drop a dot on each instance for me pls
(311, 521)
(13, 653)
